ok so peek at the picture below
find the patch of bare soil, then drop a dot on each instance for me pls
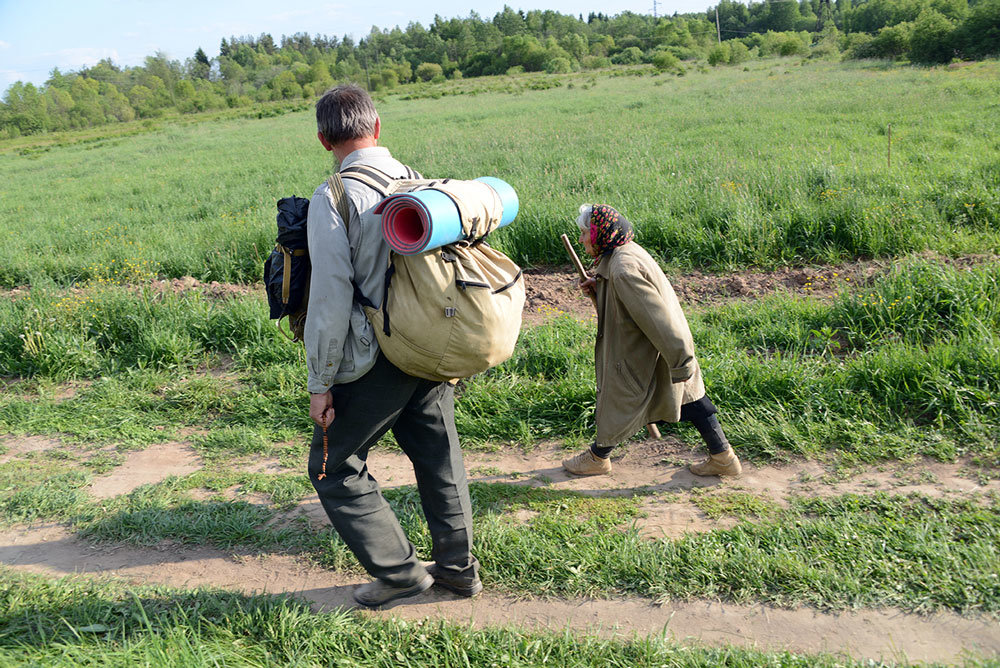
(553, 291)
(213, 289)
(661, 466)
(15, 447)
(884, 634)
(145, 467)
(658, 469)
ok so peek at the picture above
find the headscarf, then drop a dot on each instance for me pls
(609, 229)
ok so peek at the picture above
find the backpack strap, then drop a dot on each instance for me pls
(382, 183)
(378, 180)
(339, 195)
(371, 177)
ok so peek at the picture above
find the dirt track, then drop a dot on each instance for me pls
(876, 634)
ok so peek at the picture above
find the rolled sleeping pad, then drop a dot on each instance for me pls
(426, 219)
(507, 197)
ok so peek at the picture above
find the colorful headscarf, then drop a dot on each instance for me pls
(609, 229)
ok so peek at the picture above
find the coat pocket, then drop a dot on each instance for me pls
(629, 378)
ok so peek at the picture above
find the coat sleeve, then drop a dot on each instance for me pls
(331, 293)
(658, 316)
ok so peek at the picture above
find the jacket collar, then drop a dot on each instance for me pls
(364, 155)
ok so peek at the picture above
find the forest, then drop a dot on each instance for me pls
(256, 69)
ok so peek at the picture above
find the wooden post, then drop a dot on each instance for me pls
(888, 153)
(652, 430)
(718, 32)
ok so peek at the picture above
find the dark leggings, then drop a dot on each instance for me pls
(701, 414)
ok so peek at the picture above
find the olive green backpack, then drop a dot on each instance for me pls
(446, 313)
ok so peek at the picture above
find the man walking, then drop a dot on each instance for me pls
(357, 395)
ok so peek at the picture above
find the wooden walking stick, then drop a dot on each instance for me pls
(651, 429)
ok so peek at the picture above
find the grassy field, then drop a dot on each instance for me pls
(783, 162)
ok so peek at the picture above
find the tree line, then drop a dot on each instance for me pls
(253, 69)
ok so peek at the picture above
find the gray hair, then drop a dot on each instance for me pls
(586, 210)
(344, 113)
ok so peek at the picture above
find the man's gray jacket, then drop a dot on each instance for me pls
(339, 340)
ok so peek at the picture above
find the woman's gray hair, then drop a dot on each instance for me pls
(586, 210)
(344, 113)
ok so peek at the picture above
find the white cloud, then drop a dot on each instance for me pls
(4, 45)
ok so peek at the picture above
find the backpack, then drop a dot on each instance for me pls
(446, 313)
(287, 270)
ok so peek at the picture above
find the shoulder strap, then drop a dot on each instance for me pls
(373, 178)
(339, 195)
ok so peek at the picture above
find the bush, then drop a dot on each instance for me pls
(738, 52)
(851, 43)
(793, 46)
(558, 66)
(516, 69)
(719, 54)
(427, 71)
(630, 56)
(390, 78)
(664, 60)
(932, 39)
(891, 42)
(595, 62)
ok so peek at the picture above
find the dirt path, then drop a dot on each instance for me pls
(653, 468)
(875, 634)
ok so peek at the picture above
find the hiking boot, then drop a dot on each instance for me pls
(454, 582)
(587, 463)
(724, 463)
(378, 592)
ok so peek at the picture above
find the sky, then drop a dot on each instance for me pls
(38, 35)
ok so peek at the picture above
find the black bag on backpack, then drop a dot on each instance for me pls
(287, 270)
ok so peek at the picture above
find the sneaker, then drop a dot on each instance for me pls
(587, 463)
(723, 464)
(378, 592)
(454, 582)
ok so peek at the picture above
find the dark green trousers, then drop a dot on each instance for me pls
(421, 414)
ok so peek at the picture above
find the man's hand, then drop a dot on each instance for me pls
(587, 287)
(321, 408)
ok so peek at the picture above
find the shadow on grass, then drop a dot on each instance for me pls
(78, 612)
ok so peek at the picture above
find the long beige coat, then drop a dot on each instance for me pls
(643, 346)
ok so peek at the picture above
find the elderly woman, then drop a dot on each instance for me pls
(646, 367)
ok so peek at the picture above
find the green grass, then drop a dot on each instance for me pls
(783, 163)
(906, 365)
(73, 622)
